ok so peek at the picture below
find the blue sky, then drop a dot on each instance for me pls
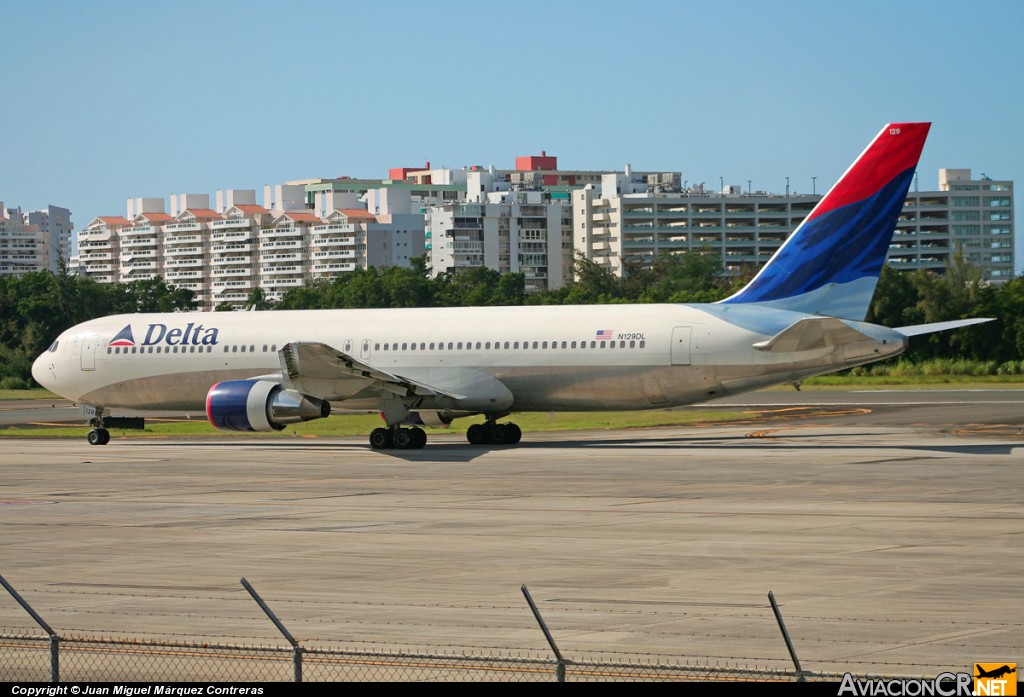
(106, 100)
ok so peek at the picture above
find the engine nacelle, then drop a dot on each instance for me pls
(260, 405)
(430, 418)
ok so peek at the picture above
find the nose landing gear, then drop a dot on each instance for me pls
(98, 435)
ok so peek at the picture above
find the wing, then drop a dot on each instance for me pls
(304, 361)
(319, 369)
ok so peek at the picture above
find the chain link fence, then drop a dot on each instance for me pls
(26, 656)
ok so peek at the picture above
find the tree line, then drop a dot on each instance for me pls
(36, 307)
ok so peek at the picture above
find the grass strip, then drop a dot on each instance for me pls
(362, 424)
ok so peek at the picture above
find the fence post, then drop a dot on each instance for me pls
(54, 639)
(562, 662)
(785, 635)
(296, 649)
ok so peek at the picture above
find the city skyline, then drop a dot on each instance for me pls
(114, 100)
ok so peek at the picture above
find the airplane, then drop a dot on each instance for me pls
(800, 316)
(996, 673)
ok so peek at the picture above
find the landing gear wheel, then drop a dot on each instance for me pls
(500, 434)
(515, 434)
(477, 434)
(419, 437)
(380, 439)
(402, 438)
(98, 436)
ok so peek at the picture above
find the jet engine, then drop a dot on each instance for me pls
(433, 419)
(260, 405)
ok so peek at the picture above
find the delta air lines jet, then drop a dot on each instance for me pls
(802, 315)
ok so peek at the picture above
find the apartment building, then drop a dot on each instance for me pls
(517, 220)
(974, 216)
(223, 255)
(34, 240)
(513, 231)
(625, 221)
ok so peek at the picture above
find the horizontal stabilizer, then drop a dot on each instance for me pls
(917, 329)
(812, 333)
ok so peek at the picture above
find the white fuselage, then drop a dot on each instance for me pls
(592, 357)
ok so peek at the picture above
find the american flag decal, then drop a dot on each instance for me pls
(604, 334)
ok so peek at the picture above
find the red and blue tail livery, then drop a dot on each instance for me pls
(830, 264)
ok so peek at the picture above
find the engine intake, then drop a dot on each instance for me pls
(260, 405)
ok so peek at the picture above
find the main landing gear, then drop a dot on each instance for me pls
(399, 438)
(491, 433)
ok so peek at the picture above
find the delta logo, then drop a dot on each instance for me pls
(123, 338)
(192, 334)
(995, 679)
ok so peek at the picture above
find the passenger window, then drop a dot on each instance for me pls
(158, 349)
(394, 346)
(386, 346)
(264, 348)
(423, 346)
(632, 344)
(544, 346)
(506, 345)
(593, 344)
(243, 348)
(643, 343)
(515, 345)
(622, 344)
(573, 345)
(431, 345)
(404, 346)
(460, 346)
(109, 350)
(273, 347)
(134, 349)
(478, 345)
(564, 344)
(487, 345)
(412, 346)
(450, 346)
(602, 344)
(234, 349)
(376, 347)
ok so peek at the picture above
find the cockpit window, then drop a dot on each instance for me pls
(53, 346)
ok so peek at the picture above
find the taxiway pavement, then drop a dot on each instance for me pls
(892, 535)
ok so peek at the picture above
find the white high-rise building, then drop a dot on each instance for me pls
(510, 231)
(224, 255)
(34, 241)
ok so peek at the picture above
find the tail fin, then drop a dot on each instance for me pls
(831, 262)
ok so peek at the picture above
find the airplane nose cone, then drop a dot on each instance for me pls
(44, 370)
